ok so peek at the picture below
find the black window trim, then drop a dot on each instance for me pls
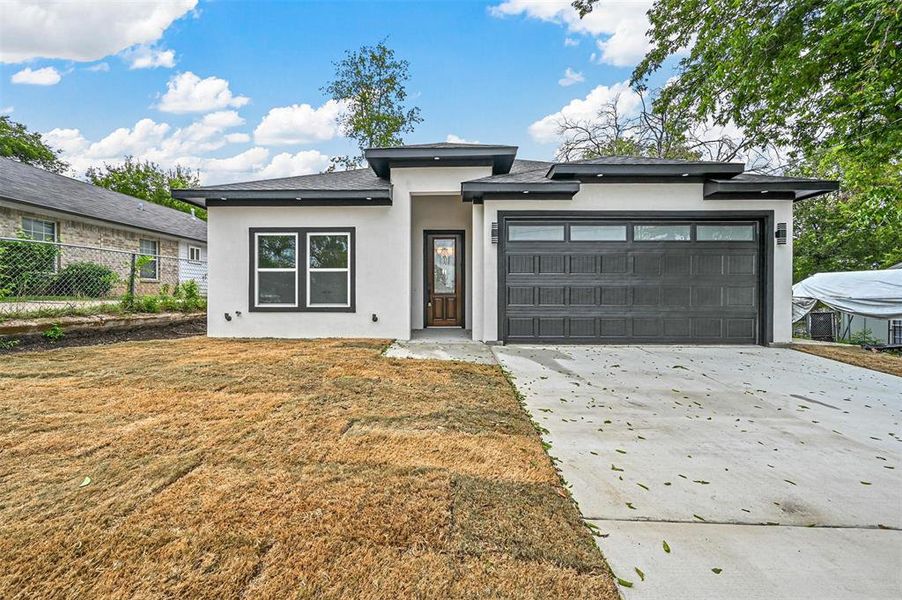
(302, 266)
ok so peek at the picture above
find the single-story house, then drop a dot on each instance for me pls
(91, 223)
(607, 250)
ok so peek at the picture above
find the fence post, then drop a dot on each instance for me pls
(132, 279)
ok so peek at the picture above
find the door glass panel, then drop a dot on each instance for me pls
(725, 233)
(661, 233)
(598, 233)
(535, 233)
(443, 259)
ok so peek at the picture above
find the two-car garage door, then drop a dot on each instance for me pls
(578, 280)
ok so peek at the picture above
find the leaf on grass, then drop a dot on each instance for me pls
(666, 546)
(716, 570)
(639, 573)
(625, 583)
(84, 482)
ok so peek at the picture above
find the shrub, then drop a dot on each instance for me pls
(84, 279)
(55, 333)
(26, 268)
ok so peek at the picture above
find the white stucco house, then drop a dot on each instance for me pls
(608, 250)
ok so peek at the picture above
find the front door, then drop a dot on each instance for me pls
(444, 279)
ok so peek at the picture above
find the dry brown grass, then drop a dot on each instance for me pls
(853, 355)
(229, 469)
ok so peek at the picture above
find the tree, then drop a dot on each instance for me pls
(658, 131)
(148, 181)
(25, 146)
(806, 74)
(371, 84)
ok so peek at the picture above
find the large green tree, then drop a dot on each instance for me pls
(148, 181)
(371, 82)
(18, 143)
(822, 78)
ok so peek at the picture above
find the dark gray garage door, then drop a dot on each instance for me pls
(630, 281)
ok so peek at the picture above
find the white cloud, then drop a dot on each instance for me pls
(455, 139)
(570, 42)
(135, 141)
(299, 124)
(45, 76)
(186, 92)
(7, 110)
(289, 165)
(83, 31)
(621, 24)
(237, 138)
(99, 68)
(149, 57)
(70, 141)
(545, 130)
(570, 77)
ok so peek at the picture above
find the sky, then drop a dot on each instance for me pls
(234, 88)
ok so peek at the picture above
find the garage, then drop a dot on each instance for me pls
(653, 278)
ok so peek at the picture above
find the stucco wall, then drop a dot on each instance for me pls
(639, 197)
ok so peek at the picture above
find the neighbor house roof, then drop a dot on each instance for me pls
(34, 187)
(510, 176)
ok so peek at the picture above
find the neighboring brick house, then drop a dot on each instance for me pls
(50, 207)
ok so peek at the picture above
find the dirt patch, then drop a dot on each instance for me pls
(853, 355)
(29, 343)
(260, 468)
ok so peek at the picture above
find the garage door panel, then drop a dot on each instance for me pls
(629, 292)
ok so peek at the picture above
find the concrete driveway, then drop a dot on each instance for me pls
(780, 470)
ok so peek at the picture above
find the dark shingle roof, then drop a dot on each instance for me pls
(640, 160)
(523, 171)
(442, 145)
(354, 179)
(29, 185)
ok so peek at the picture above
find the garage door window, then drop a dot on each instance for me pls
(662, 233)
(725, 233)
(598, 233)
(535, 233)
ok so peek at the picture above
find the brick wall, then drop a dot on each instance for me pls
(70, 231)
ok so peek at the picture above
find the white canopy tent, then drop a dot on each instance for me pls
(876, 294)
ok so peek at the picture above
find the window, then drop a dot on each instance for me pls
(741, 232)
(36, 229)
(194, 253)
(151, 269)
(661, 233)
(535, 233)
(328, 269)
(276, 281)
(598, 233)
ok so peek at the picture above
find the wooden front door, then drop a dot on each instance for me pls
(444, 279)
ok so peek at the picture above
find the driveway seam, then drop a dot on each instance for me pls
(744, 524)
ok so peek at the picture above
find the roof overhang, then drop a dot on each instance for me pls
(727, 189)
(231, 197)
(474, 191)
(382, 160)
(597, 172)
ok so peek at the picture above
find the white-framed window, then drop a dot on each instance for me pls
(194, 253)
(151, 269)
(329, 269)
(39, 229)
(276, 269)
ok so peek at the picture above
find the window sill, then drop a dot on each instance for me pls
(304, 309)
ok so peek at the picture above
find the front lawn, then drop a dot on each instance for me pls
(226, 469)
(886, 362)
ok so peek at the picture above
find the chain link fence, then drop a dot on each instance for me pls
(54, 279)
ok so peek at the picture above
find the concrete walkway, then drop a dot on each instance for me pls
(778, 469)
(442, 344)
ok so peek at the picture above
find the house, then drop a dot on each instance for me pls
(94, 224)
(608, 250)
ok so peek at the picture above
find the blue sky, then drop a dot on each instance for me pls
(222, 85)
